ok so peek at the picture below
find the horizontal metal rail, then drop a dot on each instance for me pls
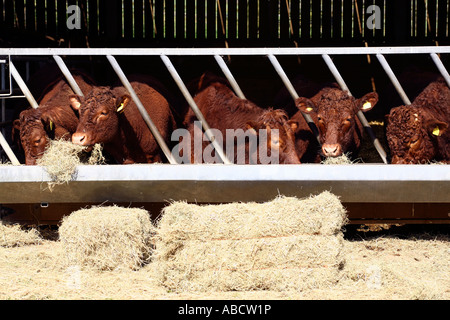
(224, 51)
(362, 183)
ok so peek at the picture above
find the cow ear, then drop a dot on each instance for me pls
(305, 105)
(293, 124)
(252, 127)
(436, 128)
(122, 103)
(367, 102)
(75, 101)
(49, 124)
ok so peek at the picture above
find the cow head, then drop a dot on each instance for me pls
(99, 116)
(412, 135)
(334, 112)
(284, 142)
(34, 133)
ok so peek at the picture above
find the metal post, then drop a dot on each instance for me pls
(68, 75)
(360, 114)
(194, 108)
(441, 67)
(141, 109)
(292, 92)
(8, 150)
(23, 86)
(393, 78)
(229, 76)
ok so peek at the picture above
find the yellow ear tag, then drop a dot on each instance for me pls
(309, 109)
(367, 105)
(120, 108)
(51, 125)
(436, 132)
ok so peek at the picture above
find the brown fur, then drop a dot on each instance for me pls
(54, 119)
(334, 112)
(409, 128)
(125, 135)
(223, 110)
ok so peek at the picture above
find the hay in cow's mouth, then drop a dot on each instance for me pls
(62, 157)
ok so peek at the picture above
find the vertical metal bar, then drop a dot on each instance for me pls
(393, 78)
(23, 86)
(441, 67)
(194, 107)
(292, 91)
(229, 76)
(142, 110)
(68, 75)
(360, 114)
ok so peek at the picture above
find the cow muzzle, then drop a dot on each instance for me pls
(80, 139)
(332, 150)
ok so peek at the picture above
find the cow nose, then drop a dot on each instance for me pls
(79, 138)
(331, 150)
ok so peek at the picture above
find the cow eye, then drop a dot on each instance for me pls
(414, 141)
(104, 112)
(37, 141)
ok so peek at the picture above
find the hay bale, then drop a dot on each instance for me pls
(13, 235)
(107, 238)
(287, 243)
(62, 157)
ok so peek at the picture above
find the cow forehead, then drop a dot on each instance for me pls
(336, 103)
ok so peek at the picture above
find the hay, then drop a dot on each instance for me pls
(343, 159)
(13, 235)
(107, 238)
(287, 243)
(62, 157)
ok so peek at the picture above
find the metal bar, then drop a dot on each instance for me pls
(162, 144)
(23, 86)
(224, 51)
(360, 114)
(8, 150)
(441, 67)
(361, 183)
(292, 92)
(194, 107)
(229, 76)
(68, 75)
(393, 79)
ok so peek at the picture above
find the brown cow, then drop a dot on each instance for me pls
(419, 133)
(334, 112)
(54, 119)
(230, 115)
(110, 117)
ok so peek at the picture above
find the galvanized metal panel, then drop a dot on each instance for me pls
(226, 183)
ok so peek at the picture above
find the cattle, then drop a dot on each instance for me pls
(110, 117)
(229, 114)
(54, 119)
(418, 133)
(334, 112)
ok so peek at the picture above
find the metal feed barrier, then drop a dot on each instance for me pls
(356, 183)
